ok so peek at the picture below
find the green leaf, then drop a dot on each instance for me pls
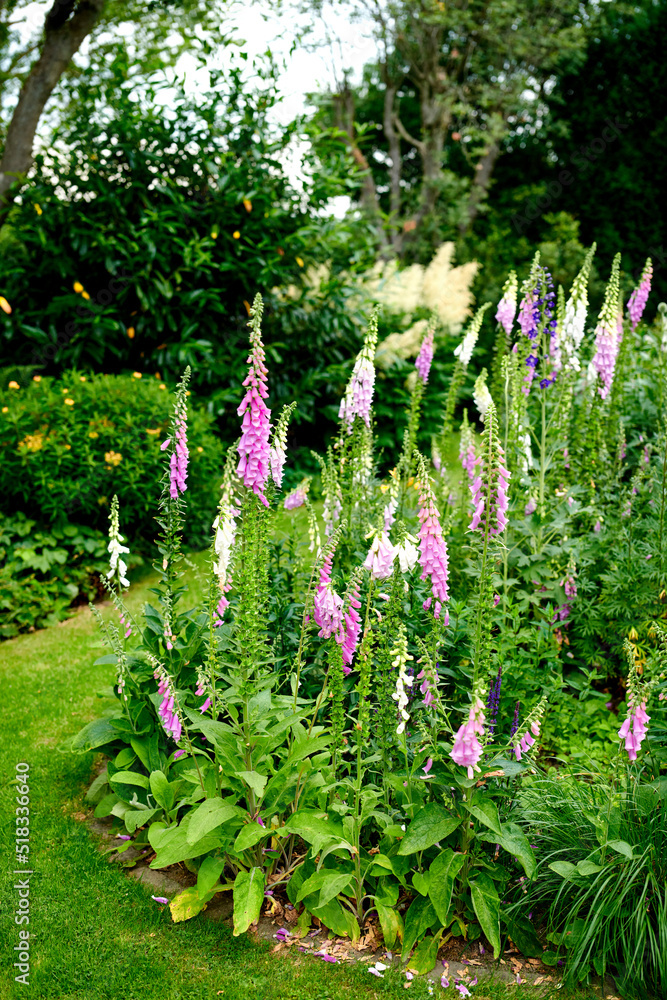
(420, 882)
(135, 818)
(588, 868)
(514, 840)
(425, 954)
(337, 918)
(162, 791)
(249, 835)
(621, 847)
(254, 780)
(210, 815)
(248, 898)
(549, 957)
(486, 905)
(315, 828)
(208, 874)
(523, 935)
(174, 847)
(418, 920)
(431, 824)
(129, 778)
(104, 807)
(442, 874)
(186, 904)
(391, 923)
(564, 868)
(329, 883)
(95, 734)
(486, 812)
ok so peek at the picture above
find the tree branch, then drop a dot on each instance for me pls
(60, 44)
(403, 132)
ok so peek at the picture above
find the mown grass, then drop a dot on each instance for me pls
(95, 933)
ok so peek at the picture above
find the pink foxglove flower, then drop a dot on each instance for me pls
(638, 299)
(380, 558)
(297, 497)
(433, 556)
(328, 605)
(634, 728)
(606, 335)
(489, 488)
(507, 306)
(178, 462)
(278, 449)
(467, 749)
(168, 710)
(425, 356)
(253, 448)
(352, 620)
(358, 396)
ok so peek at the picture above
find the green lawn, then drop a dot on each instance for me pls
(95, 932)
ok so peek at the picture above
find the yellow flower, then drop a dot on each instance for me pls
(158, 376)
(101, 501)
(236, 234)
(85, 295)
(38, 209)
(113, 457)
(68, 447)
(299, 262)
(136, 374)
(163, 386)
(214, 234)
(78, 287)
(199, 448)
(247, 204)
(13, 385)
(152, 430)
(4, 305)
(130, 332)
(93, 434)
(69, 401)
(37, 378)
(82, 378)
(5, 409)
(32, 442)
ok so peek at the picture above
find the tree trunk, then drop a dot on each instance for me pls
(395, 168)
(66, 25)
(480, 184)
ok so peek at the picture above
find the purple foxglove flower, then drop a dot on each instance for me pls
(634, 728)
(253, 448)
(358, 396)
(467, 749)
(160, 899)
(178, 462)
(433, 556)
(205, 707)
(637, 301)
(425, 356)
(428, 765)
(179, 753)
(297, 497)
(467, 447)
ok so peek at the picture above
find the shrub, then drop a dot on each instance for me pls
(69, 444)
(42, 572)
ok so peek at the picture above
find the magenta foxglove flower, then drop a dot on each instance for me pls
(467, 454)
(428, 765)
(253, 448)
(352, 620)
(527, 739)
(168, 710)
(380, 558)
(507, 306)
(637, 301)
(425, 356)
(467, 749)
(178, 462)
(490, 488)
(328, 605)
(433, 556)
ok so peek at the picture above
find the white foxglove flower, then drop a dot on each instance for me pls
(481, 395)
(407, 553)
(118, 568)
(400, 657)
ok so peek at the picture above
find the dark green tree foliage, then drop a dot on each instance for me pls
(170, 218)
